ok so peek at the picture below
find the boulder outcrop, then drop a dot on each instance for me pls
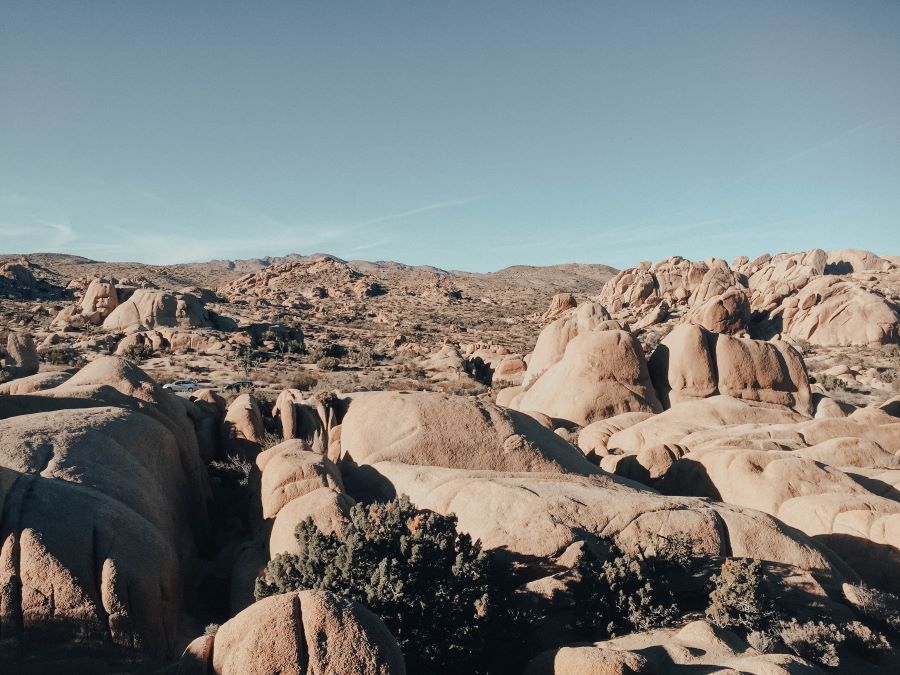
(693, 363)
(306, 633)
(117, 456)
(150, 308)
(601, 374)
(452, 431)
(99, 300)
(21, 357)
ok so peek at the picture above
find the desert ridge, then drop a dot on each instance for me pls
(310, 465)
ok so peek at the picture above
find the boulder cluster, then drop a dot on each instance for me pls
(132, 514)
(845, 297)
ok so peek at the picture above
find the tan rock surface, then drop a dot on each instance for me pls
(601, 374)
(305, 633)
(453, 431)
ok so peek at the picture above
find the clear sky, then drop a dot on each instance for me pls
(468, 135)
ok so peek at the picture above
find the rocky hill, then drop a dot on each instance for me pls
(685, 466)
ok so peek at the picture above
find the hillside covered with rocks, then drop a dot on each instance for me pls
(684, 466)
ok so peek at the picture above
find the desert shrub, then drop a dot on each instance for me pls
(676, 548)
(831, 382)
(878, 607)
(863, 640)
(332, 349)
(63, 356)
(328, 363)
(365, 357)
(270, 440)
(813, 640)
(302, 380)
(232, 469)
(432, 586)
(462, 387)
(738, 599)
(621, 592)
(762, 640)
(138, 352)
(892, 349)
(479, 371)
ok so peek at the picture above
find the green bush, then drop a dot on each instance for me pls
(620, 592)
(738, 599)
(432, 586)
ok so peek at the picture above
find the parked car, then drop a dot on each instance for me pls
(239, 385)
(181, 385)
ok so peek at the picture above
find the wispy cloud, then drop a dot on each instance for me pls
(46, 235)
(437, 206)
(769, 167)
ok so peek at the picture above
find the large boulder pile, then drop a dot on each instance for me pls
(152, 308)
(692, 362)
(118, 457)
(833, 311)
(708, 293)
(99, 300)
(554, 338)
(846, 297)
(602, 373)
(827, 299)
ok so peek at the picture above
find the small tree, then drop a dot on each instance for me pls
(621, 592)
(432, 586)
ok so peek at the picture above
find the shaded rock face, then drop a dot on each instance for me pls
(818, 499)
(308, 632)
(693, 363)
(18, 282)
(125, 471)
(601, 374)
(833, 479)
(151, 308)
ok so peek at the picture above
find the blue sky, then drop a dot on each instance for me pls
(468, 135)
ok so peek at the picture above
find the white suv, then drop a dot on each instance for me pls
(181, 385)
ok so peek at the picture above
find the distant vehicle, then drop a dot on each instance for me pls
(181, 385)
(239, 385)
